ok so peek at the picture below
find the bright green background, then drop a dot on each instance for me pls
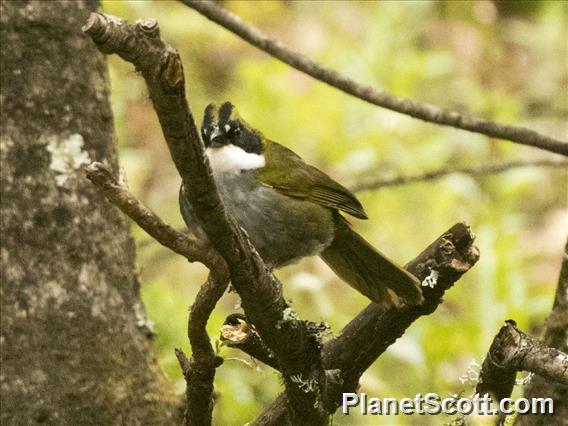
(504, 62)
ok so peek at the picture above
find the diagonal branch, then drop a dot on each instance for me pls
(296, 348)
(370, 333)
(191, 248)
(426, 112)
(373, 182)
(198, 371)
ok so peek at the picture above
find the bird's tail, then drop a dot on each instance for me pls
(361, 266)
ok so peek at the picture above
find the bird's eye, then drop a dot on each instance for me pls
(232, 130)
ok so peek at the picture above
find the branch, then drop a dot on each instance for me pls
(555, 336)
(199, 371)
(557, 322)
(370, 333)
(238, 334)
(512, 351)
(425, 112)
(191, 248)
(372, 182)
(261, 293)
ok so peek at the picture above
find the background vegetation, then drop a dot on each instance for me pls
(501, 60)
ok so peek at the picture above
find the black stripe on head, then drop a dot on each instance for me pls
(225, 113)
(209, 122)
(209, 115)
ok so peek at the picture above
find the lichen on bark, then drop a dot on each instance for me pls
(73, 351)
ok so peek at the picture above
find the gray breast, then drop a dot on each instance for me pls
(283, 229)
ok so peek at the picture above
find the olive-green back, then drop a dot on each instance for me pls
(288, 173)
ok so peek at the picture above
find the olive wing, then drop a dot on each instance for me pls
(289, 174)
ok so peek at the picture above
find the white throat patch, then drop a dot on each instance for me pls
(231, 158)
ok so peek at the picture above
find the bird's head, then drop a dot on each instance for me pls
(222, 125)
(231, 144)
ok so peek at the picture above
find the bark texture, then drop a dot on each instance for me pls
(74, 341)
(512, 351)
(556, 336)
(261, 293)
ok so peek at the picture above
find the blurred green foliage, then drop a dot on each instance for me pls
(500, 60)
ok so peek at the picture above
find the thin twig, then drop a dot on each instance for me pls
(373, 183)
(191, 248)
(426, 112)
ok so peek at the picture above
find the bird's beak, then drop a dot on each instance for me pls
(214, 138)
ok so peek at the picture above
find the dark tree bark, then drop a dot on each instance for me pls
(513, 351)
(75, 347)
(555, 337)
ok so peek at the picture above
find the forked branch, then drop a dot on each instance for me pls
(296, 348)
(313, 381)
(370, 333)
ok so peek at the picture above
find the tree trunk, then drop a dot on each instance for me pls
(75, 347)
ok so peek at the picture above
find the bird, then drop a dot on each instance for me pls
(291, 210)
